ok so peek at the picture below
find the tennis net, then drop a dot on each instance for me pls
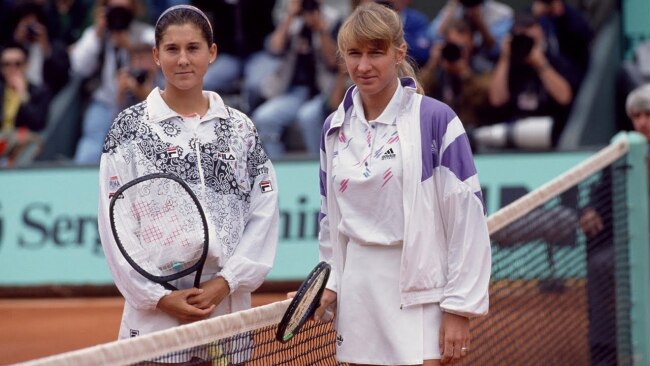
(560, 293)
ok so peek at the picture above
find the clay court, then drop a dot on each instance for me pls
(34, 328)
(525, 326)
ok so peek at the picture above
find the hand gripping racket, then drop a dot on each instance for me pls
(160, 228)
(304, 304)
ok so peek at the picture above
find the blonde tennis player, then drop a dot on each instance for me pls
(403, 222)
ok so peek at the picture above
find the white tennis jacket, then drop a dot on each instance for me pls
(222, 160)
(447, 256)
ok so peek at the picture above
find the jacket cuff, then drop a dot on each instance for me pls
(230, 279)
(156, 299)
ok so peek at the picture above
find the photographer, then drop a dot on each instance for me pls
(458, 77)
(49, 62)
(531, 79)
(240, 29)
(137, 80)
(306, 41)
(489, 20)
(565, 25)
(102, 50)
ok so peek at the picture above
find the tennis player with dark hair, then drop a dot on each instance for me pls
(191, 134)
(403, 222)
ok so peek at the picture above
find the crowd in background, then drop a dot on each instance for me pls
(511, 75)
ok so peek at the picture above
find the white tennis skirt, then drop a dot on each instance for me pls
(372, 328)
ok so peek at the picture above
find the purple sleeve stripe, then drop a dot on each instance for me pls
(479, 194)
(326, 127)
(434, 118)
(458, 158)
(323, 183)
(321, 216)
(347, 101)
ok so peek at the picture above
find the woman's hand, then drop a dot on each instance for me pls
(327, 309)
(454, 337)
(214, 291)
(176, 304)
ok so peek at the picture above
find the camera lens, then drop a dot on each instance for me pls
(520, 47)
(118, 18)
(309, 6)
(32, 33)
(139, 75)
(471, 3)
(451, 52)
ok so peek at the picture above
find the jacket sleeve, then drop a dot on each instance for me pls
(325, 249)
(84, 57)
(33, 113)
(138, 291)
(253, 257)
(468, 243)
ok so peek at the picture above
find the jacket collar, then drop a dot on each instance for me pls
(348, 101)
(159, 111)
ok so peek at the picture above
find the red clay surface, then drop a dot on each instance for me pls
(38, 328)
(527, 325)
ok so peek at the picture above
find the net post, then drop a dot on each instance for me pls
(639, 246)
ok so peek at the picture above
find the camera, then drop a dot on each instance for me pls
(118, 18)
(309, 6)
(140, 75)
(471, 3)
(451, 52)
(520, 47)
(32, 32)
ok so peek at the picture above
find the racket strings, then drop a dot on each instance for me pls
(158, 220)
(304, 307)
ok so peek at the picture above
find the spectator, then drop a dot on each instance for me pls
(23, 106)
(457, 76)
(490, 22)
(597, 224)
(66, 20)
(102, 50)
(49, 63)
(568, 28)
(632, 74)
(240, 29)
(306, 41)
(138, 79)
(312, 115)
(637, 107)
(531, 79)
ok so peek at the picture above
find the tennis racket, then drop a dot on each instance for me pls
(160, 228)
(304, 303)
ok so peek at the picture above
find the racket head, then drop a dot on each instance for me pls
(160, 228)
(304, 303)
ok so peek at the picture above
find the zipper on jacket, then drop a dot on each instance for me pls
(197, 150)
(197, 142)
